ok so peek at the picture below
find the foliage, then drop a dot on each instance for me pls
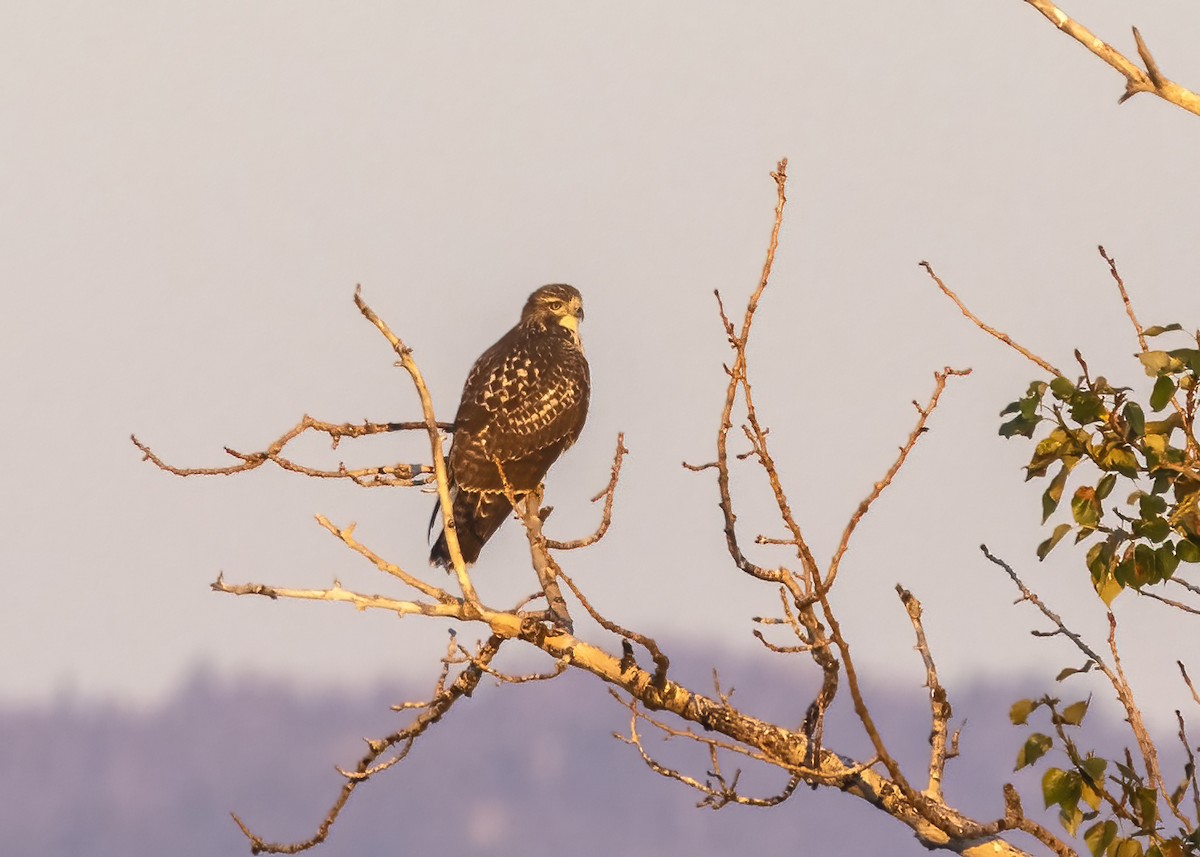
(1121, 810)
(1151, 463)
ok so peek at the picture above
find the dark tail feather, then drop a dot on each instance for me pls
(476, 519)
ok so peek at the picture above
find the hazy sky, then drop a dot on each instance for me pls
(190, 196)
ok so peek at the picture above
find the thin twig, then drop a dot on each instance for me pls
(370, 477)
(464, 685)
(337, 593)
(1190, 769)
(1188, 681)
(346, 536)
(661, 662)
(737, 374)
(608, 494)
(879, 487)
(1193, 446)
(1114, 674)
(986, 328)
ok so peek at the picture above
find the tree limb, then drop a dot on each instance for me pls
(1151, 80)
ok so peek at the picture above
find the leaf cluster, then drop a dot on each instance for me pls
(1142, 540)
(1110, 796)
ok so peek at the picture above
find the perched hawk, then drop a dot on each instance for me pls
(524, 402)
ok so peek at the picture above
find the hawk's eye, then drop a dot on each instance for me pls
(555, 306)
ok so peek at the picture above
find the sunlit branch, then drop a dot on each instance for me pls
(1115, 676)
(986, 328)
(368, 477)
(1151, 80)
(919, 429)
(443, 699)
(346, 536)
(939, 703)
(435, 445)
(608, 494)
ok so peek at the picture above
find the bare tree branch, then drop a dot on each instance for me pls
(919, 429)
(1151, 80)
(608, 494)
(939, 703)
(986, 328)
(435, 445)
(369, 477)
(462, 686)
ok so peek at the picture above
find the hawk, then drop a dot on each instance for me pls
(523, 404)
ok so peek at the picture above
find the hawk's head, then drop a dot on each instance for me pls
(554, 304)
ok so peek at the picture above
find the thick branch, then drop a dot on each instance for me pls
(779, 746)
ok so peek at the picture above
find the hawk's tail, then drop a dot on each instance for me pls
(477, 516)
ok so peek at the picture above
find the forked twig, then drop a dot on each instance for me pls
(879, 487)
(462, 686)
(368, 477)
(1151, 80)
(608, 494)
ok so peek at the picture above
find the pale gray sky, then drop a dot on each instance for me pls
(191, 194)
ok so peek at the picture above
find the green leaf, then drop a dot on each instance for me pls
(1011, 408)
(1070, 818)
(1106, 486)
(1048, 545)
(1165, 561)
(1121, 460)
(1160, 363)
(1147, 804)
(1144, 566)
(1154, 529)
(1188, 356)
(1061, 787)
(1020, 425)
(1135, 418)
(1074, 713)
(1070, 671)
(1048, 450)
(1020, 711)
(1099, 836)
(1150, 504)
(1034, 748)
(1086, 407)
(1164, 389)
(1053, 494)
(1085, 507)
(1062, 388)
(1187, 551)
(1156, 329)
(1093, 768)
